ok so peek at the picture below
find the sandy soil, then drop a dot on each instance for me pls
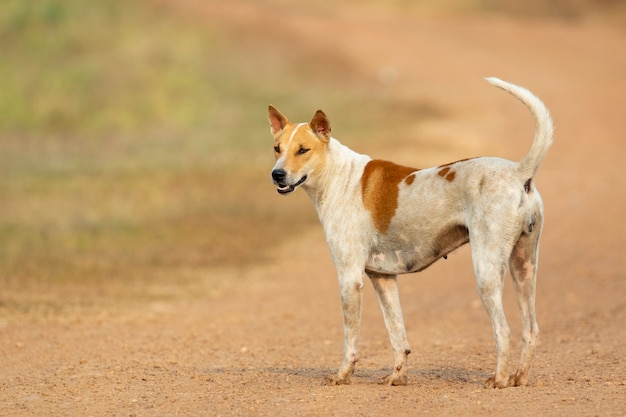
(264, 336)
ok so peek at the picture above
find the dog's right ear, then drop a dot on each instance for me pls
(321, 126)
(277, 120)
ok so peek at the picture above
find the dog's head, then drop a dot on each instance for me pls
(300, 149)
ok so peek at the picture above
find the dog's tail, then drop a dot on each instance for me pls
(543, 126)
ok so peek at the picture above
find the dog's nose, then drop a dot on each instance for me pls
(278, 175)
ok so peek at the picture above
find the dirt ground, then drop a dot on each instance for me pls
(264, 336)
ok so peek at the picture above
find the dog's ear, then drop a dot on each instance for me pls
(321, 126)
(277, 120)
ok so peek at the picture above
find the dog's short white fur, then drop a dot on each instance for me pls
(383, 219)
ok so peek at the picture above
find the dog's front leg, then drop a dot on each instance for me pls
(351, 291)
(386, 287)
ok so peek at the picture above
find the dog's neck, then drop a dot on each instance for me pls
(336, 178)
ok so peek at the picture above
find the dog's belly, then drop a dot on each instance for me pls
(398, 261)
(397, 254)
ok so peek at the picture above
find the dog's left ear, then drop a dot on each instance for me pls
(321, 126)
(277, 120)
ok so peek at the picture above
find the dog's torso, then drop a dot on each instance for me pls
(403, 219)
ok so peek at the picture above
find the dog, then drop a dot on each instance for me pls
(382, 219)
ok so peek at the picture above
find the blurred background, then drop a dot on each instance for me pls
(134, 144)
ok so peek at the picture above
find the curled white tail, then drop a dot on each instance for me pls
(543, 126)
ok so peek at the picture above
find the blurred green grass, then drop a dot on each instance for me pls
(135, 150)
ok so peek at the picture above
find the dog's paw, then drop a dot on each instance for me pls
(394, 380)
(492, 383)
(333, 380)
(518, 380)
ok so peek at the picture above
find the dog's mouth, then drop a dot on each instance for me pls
(286, 188)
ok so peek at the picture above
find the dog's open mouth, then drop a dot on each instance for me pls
(286, 189)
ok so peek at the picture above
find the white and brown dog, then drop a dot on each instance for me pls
(383, 219)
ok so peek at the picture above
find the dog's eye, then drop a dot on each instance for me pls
(302, 151)
(277, 149)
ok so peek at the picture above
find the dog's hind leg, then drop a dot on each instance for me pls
(523, 266)
(489, 256)
(386, 288)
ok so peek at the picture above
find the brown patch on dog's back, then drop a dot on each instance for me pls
(447, 174)
(379, 188)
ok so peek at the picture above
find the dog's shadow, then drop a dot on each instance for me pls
(420, 376)
(451, 375)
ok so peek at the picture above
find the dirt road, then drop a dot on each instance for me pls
(262, 338)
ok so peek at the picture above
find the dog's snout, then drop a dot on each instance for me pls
(278, 175)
